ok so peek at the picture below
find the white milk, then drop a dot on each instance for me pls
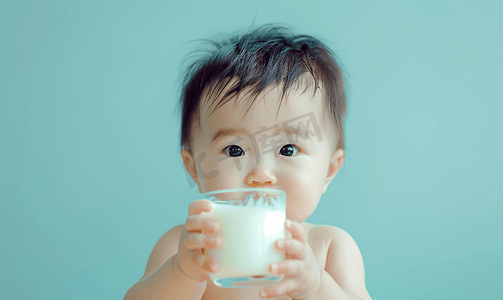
(248, 234)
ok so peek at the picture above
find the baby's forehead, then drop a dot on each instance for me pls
(268, 115)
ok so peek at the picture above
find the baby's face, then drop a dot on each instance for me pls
(259, 150)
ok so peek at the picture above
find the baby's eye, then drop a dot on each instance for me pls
(288, 150)
(234, 151)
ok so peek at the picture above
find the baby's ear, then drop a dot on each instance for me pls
(190, 166)
(335, 165)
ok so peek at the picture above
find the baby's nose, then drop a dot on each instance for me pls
(261, 176)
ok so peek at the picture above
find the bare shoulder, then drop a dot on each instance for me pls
(165, 247)
(334, 233)
(344, 261)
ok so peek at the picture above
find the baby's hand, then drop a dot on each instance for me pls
(302, 273)
(198, 233)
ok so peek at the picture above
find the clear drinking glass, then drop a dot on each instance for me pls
(252, 220)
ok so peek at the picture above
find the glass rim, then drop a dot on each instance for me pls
(241, 190)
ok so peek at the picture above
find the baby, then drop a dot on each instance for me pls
(286, 135)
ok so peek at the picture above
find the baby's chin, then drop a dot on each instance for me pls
(299, 214)
(297, 217)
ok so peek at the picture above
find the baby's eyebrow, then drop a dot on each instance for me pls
(227, 131)
(222, 132)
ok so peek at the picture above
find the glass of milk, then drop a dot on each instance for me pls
(252, 220)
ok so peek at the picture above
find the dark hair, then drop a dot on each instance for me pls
(265, 56)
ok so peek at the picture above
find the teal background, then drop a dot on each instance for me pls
(90, 170)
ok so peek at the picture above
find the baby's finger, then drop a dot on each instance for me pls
(198, 206)
(294, 248)
(284, 286)
(298, 232)
(204, 261)
(289, 267)
(195, 241)
(198, 223)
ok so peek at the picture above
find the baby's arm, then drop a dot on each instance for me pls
(342, 278)
(163, 278)
(345, 265)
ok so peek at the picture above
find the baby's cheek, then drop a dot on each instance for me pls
(226, 175)
(301, 202)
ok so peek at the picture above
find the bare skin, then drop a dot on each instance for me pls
(323, 261)
(320, 238)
